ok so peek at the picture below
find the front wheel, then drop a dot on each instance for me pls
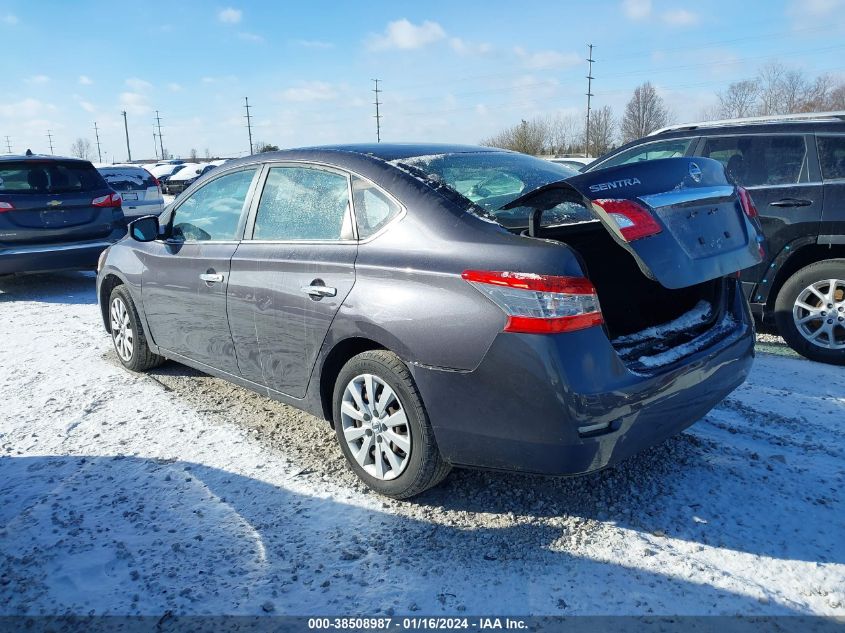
(810, 311)
(128, 336)
(382, 426)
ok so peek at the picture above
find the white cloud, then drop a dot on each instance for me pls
(251, 37)
(86, 105)
(85, 80)
(134, 103)
(37, 80)
(463, 47)
(174, 87)
(543, 60)
(25, 109)
(317, 44)
(680, 17)
(9, 18)
(230, 15)
(404, 35)
(310, 91)
(637, 9)
(138, 85)
(818, 8)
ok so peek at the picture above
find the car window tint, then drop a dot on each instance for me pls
(127, 179)
(303, 203)
(832, 156)
(373, 209)
(760, 160)
(49, 176)
(213, 211)
(650, 151)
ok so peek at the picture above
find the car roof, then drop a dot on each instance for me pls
(396, 151)
(41, 158)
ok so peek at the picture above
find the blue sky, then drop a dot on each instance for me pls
(451, 71)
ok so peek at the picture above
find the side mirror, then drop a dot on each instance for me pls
(144, 229)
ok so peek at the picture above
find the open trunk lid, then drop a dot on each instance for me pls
(700, 227)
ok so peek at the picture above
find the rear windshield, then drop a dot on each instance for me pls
(38, 177)
(122, 179)
(491, 180)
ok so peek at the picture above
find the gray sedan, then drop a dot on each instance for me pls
(450, 306)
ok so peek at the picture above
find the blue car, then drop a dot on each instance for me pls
(55, 214)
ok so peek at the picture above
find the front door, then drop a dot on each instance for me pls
(186, 278)
(290, 275)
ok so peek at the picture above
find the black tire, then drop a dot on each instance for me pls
(425, 467)
(790, 292)
(141, 358)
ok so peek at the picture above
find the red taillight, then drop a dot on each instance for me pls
(111, 200)
(634, 221)
(6, 206)
(747, 203)
(540, 304)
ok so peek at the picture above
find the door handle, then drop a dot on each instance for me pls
(791, 202)
(211, 278)
(318, 292)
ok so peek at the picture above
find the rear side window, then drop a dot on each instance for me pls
(303, 203)
(755, 161)
(40, 177)
(831, 156)
(373, 209)
(673, 148)
(214, 210)
(127, 179)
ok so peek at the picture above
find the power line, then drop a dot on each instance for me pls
(590, 61)
(50, 140)
(378, 114)
(248, 124)
(160, 140)
(126, 129)
(97, 136)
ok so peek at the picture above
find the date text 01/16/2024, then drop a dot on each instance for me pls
(417, 623)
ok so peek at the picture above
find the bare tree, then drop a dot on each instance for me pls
(602, 131)
(263, 146)
(739, 100)
(644, 113)
(81, 148)
(207, 153)
(836, 98)
(528, 137)
(194, 154)
(563, 134)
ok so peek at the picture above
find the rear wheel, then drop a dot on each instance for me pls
(382, 427)
(810, 311)
(128, 336)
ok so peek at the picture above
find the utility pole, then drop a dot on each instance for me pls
(248, 118)
(160, 140)
(97, 136)
(377, 115)
(50, 139)
(126, 129)
(590, 95)
(8, 145)
(155, 145)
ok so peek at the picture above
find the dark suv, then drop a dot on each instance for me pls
(794, 168)
(55, 214)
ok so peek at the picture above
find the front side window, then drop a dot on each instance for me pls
(755, 161)
(673, 148)
(303, 203)
(832, 156)
(214, 210)
(373, 209)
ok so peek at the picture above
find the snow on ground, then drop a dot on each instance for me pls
(123, 493)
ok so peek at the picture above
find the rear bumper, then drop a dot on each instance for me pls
(522, 407)
(48, 257)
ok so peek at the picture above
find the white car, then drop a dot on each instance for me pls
(140, 190)
(182, 179)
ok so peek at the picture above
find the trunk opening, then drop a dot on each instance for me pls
(630, 301)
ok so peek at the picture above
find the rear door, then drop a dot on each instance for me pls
(691, 223)
(291, 274)
(185, 279)
(782, 176)
(46, 201)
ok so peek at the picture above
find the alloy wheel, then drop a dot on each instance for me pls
(819, 313)
(121, 329)
(375, 427)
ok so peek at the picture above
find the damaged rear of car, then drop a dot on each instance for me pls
(641, 340)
